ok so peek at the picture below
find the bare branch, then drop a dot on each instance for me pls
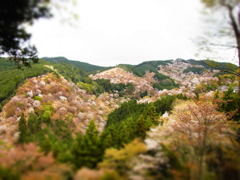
(232, 19)
(223, 45)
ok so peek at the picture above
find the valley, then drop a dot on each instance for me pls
(169, 119)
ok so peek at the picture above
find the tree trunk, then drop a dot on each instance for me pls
(238, 71)
(235, 28)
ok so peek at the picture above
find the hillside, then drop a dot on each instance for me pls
(11, 76)
(81, 65)
(155, 120)
(153, 66)
(4, 65)
(58, 99)
(140, 69)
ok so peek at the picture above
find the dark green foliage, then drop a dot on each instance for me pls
(129, 89)
(210, 64)
(23, 130)
(143, 94)
(151, 112)
(34, 123)
(164, 82)
(219, 65)
(140, 69)
(13, 15)
(81, 65)
(165, 85)
(181, 96)
(132, 120)
(225, 68)
(11, 79)
(195, 70)
(127, 109)
(60, 128)
(6, 64)
(160, 76)
(146, 120)
(87, 149)
(104, 85)
(50, 136)
(231, 103)
(71, 73)
(152, 66)
(164, 104)
(8, 174)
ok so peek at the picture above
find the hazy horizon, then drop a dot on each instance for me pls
(110, 32)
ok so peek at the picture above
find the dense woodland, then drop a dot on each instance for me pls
(171, 137)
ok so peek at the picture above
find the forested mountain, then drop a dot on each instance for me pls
(11, 76)
(5, 64)
(152, 66)
(173, 119)
(82, 65)
(140, 69)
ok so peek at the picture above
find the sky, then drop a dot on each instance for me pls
(111, 32)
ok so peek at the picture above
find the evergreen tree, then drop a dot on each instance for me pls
(23, 130)
(87, 150)
(34, 123)
(151, 113)
(142, 126)
(231, 103)
(164, 104)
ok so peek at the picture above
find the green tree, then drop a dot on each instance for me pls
(22, 129)
(230, 103)
(34, 123)
(87, 150)
(151, 113)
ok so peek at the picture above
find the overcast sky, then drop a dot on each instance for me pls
(111, 32)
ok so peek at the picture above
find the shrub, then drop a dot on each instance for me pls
(38, 98)
(120, 159)
(8, 174)
(10, 110)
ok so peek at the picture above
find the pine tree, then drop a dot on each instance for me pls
(151, 114)
(34, 123)
(23, 130)
(87, 150)
(142, 126)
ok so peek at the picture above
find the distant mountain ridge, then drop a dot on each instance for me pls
(82, 65)
(11, 77)
(153, 66)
